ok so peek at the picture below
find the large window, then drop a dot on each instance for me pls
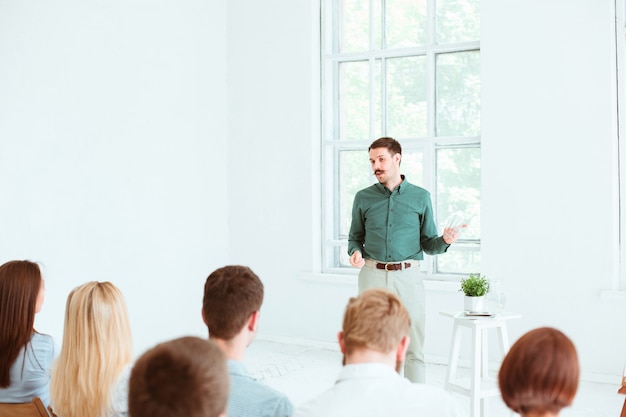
(409, 69)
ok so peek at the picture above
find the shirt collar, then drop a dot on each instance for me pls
(367, 370)
(399, 188)
(237, 368)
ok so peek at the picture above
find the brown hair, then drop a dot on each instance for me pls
(231, 294)
(20, 283)
(392, 145)
(375, 320)
(185, 377)
(540, 372)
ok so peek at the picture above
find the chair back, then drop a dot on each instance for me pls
(35, 408)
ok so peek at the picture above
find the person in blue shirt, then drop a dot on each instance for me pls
(26, 354)
(392, 227)
(231, 309)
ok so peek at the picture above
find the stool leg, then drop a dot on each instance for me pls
(504, 338)
(485, 354)
(453, 359)
(484, 369)
(475, 407)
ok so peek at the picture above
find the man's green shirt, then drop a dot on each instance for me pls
(394, 226)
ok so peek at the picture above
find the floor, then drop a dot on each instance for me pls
(302, 372)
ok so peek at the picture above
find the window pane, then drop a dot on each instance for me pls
(353, 25)
(406, 96)
(405, 23)
(377, 100)
(412, 167)
(341, 254)
(354, 100)
(458, 94)
(458, 262)
(354, 174)
(458, 21)
(458, 188)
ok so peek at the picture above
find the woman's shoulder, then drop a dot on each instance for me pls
(43, 344)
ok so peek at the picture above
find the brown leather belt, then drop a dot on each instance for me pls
(391, 266)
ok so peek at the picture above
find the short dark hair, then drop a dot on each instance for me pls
(185, 377)
(231, 294)
(392, 145)
(540, 372)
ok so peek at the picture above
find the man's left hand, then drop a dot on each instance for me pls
(451, 234)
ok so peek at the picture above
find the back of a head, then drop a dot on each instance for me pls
(185, 377)
(375, 320)
(96, 316)
(540, 372)
(231, 294)
(97, 346)
(20, 283)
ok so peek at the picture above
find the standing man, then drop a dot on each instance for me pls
(392, 227)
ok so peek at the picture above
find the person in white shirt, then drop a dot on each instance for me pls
(374, 340)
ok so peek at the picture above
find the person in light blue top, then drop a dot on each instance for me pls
(231, 307)
(26, 354)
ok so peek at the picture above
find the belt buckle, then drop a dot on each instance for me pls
(387, 267)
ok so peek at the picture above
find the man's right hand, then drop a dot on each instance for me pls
(356, 260)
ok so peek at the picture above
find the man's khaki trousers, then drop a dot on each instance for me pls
(408, 285)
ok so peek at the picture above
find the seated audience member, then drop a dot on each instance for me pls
(185, 377)
(26, 355)
(232, 299)
(90, 377)
(374, 340)
(539, 374)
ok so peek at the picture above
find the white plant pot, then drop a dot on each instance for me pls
(475, 304)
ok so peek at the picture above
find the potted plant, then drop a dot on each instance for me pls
(475, 288)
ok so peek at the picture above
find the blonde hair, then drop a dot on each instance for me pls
(97, 346)
(375, 320)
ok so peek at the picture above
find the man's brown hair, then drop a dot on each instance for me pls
(540, 372)
(392, 145)
(375, 320)
(185, 377)
(231, 294)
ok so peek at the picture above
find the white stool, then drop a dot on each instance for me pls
(480, 385)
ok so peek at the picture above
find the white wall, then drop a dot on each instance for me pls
(113, 152)
(125, 156)
(549, 170)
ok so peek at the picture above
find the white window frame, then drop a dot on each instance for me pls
(329, 149)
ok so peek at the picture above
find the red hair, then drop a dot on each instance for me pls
(540, 373)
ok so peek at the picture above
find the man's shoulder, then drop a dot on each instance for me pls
(254, 387)
(372, 189)
(387, 396)
(412, 188)
(251, 397)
